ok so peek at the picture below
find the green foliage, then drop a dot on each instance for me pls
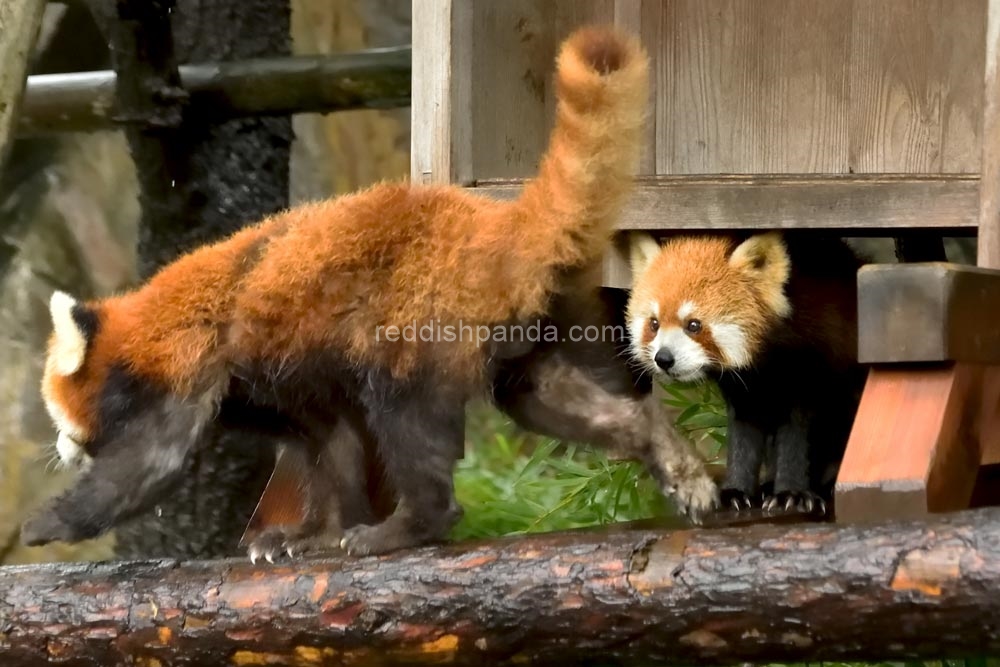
(512, 482)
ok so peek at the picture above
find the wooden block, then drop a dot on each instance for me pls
(928, 312)
(917, 441)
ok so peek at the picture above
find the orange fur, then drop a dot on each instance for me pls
(325, 275)
(698, 270)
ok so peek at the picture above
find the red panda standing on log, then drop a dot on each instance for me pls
(774, 320)
(295, 316)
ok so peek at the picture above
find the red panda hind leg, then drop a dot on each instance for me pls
(419, 431)
(335, 493)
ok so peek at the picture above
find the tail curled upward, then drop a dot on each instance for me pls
(587, 172)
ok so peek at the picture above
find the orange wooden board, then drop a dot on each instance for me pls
(918, 440)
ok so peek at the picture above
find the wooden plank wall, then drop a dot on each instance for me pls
(753, 86)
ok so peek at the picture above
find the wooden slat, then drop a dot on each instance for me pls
(753, 86)
(915, 85)
(857, 204)
(928, 312)
(441, 137)
(748, 202)
(989, 199)
(513, 60)
(914, 447)
(642, 17)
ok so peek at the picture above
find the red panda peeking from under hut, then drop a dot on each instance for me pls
(773, 319)
(282, 315)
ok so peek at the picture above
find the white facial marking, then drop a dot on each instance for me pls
(685, 311)
(63, 423)
(732, 342)
(636, 328)
(69, 345)
(69, 450)
(690, 359)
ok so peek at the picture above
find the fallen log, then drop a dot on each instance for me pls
(626, 595)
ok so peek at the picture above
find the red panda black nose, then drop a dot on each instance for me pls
(664, 359)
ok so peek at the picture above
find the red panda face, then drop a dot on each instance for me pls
(699, 306)
(67, 387)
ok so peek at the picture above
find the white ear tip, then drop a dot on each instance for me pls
(61, 302)
(70, 343)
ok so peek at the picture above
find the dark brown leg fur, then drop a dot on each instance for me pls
(419, 431)
(585, 391)
(335, 492)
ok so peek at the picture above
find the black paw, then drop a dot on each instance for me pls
(805, 502)
(45, 526)
(734, 499)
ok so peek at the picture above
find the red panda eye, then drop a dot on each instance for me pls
(654, 324)
(693, 326)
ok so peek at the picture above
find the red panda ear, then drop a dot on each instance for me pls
(765, 259)
(73, 325)
(643, 249)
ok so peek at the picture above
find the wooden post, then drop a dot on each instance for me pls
(441, 135)
(928, 419)
(989, 183)
(19, 24)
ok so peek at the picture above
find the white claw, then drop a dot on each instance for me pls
(269, 558)
(254, 555)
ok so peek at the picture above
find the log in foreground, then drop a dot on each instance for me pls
(628, 595)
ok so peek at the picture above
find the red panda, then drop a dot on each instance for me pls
(773, 320)
(295, 316)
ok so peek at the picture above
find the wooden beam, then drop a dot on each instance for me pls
(20, 21)
(928, 312)
(917, 442)
(852, 203)
(626, 595)
(370, 79)
(989, 193)
(441, 137)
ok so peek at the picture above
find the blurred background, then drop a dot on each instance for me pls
(69, 215)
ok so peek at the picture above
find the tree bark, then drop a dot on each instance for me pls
(623, 596)
(19, 24)
(200, 180)
(373, 79)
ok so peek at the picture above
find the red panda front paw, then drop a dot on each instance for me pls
(735, 499)
(46, 526)
(806, 502)
(695, 498)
